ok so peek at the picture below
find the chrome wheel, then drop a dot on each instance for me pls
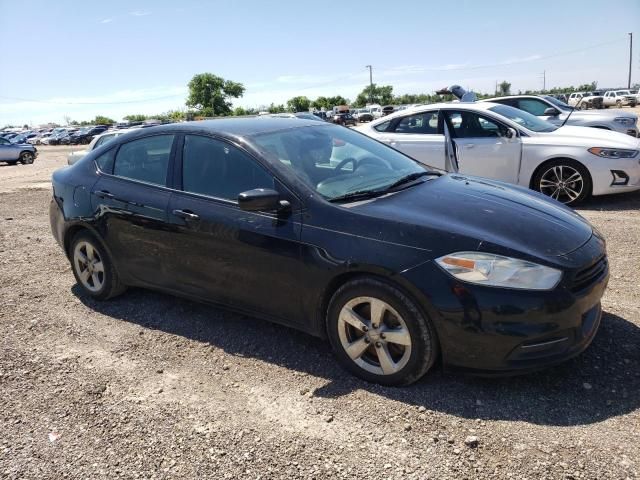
(374, 335)
(89, 266)
(562, 183)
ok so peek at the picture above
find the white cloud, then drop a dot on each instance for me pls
(140, 13)
(107, 20)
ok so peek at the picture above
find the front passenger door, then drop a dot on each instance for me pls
(220, 253)
(483, 146)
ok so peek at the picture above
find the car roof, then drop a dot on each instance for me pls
(238, 127)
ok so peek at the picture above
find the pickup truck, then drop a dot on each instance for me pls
(619, 99)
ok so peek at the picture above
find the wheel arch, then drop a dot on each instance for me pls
(556, 159)
(396, 281)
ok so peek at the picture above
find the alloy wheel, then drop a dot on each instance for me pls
(26, 158)
(89, 266)
(374, 335)
(562, 183)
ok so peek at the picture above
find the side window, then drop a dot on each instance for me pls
(424, 123)
(382, 127)
(103, 140)
(533, 106)
(145, 159)
(4, 142)
(105, 161)
(215, 168)
(472, 125)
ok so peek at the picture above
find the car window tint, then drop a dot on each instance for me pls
(383, 126)
(105, 161)
(4, 142)
(425, 123)
(215, 168)
(533, 106)
(472, 125)
(145, 159)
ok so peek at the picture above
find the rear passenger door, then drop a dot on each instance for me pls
(248, 260)
(130, 199)
(420, 136)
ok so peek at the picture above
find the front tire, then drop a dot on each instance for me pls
(26, 158)
(379, 334)
(564, 180)
(93, 268)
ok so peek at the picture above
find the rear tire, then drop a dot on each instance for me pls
(93, 268)
(379, 334)
(564, 180)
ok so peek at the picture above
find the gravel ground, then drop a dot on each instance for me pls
(150, 386)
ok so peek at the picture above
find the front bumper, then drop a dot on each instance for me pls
(611, 176)
(498, 331)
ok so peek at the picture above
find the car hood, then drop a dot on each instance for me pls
(592, 137)
(589, 115)
(489, 214)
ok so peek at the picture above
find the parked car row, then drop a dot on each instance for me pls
(598, 99)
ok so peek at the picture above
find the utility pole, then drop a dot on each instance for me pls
(630, 57)
(544, 80)
(370, 82)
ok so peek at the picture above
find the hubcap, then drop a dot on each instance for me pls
(89, 266)
(562, 183)
(374, 335)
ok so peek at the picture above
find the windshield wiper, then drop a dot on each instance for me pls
(358, 195)
(409, 178)
(363, 194)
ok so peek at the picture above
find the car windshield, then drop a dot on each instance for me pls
(558, 103)
(337, 162)
(528, 121)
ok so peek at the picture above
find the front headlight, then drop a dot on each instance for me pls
(625, 120)
(613, 152)
(498, 271)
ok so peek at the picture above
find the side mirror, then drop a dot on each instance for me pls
(552, 112)
(511, 133)
(261, 199)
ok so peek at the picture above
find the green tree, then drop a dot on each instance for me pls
(138, 117)
(504, 88)
(239, 112)
(320, 103)
(211, 95)
(276, 108)
(337, 100)
(299, 104)
(101, 120)
(382, 95)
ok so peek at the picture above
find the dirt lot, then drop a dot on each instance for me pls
(149, 386)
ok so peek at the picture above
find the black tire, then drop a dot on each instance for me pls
(542, 170)
(424, 348)
(26, 158)
(111, 285)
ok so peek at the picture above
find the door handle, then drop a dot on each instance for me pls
(186, 214)
(105, 194)
(470, 145)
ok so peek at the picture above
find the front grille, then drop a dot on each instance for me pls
(588, 276)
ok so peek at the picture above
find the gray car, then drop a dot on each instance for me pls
(556, 112)
(13, 153)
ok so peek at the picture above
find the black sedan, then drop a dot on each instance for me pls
(344, 119)
(326, 230)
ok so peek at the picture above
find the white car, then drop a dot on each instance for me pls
(504, 143)
(97, 141)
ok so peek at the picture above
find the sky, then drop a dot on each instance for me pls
(81, 59)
